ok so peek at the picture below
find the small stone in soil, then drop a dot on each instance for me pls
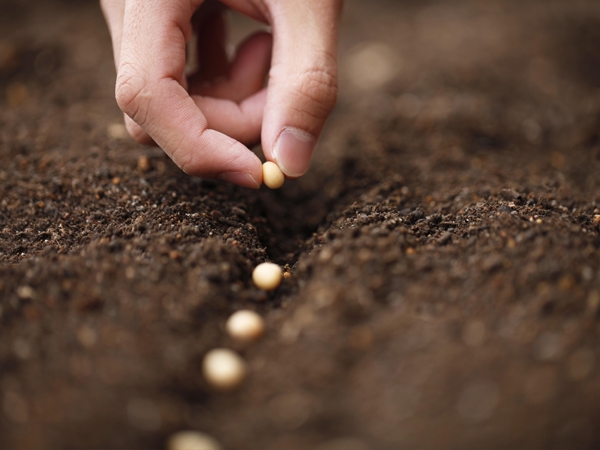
(267, 276)
(272, 175)
(224, 369)
(192, 440)
(245, 326)
(143, 164)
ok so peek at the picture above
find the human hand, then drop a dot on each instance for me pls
(202, 122)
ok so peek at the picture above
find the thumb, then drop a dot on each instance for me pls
(302, 82)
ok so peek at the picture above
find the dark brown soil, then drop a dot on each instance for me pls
(445, 263)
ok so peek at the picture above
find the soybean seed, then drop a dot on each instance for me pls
(224, 369)
(272, 175)
(267, 276)
(245, 326)
(192, 440)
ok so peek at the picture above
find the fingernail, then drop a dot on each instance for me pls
(240, 178)
(293, 151)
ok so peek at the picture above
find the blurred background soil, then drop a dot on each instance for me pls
(443, 248)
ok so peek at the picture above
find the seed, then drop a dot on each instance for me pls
(192, 440)
(267, 276)
(117, 131)
(224, 369)
(272, 175)
(246, 326)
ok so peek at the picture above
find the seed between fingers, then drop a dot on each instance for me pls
(272, 175)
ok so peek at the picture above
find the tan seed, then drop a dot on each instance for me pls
(192, 440)
(224, 369)
(117, 131)
(272, 175)
(267, 276)
(245, 326)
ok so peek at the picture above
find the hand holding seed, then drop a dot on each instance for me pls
(272, 175)
(204, 120)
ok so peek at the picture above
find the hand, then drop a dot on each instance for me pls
(202, 122)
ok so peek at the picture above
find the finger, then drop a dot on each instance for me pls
(149, 90)
(247, 72)
(113, 11)
(302, 82)
(242, 121)
(137, 132)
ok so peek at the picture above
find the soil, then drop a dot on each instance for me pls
(443, 251)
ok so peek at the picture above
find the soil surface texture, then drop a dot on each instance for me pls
(442, 255)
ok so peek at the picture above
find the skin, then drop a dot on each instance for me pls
(205, 121)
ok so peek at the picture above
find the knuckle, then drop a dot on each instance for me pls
(318, 87)
(131, 92)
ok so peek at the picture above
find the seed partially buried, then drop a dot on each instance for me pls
(272, 175)
(267, 276)
(245, 326)
(223, 369)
